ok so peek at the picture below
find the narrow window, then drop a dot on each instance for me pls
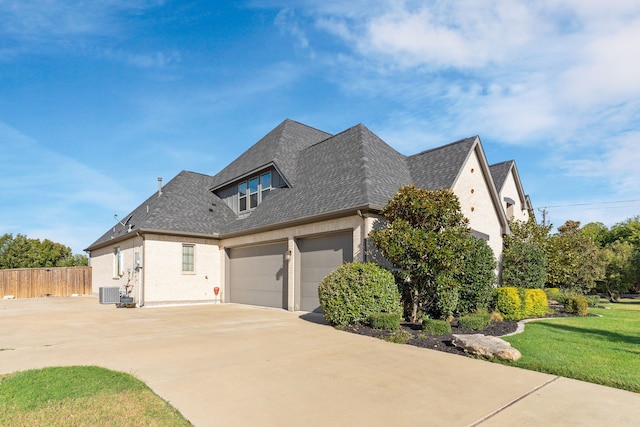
(242, 195)
(188, 257)
(510, 214)
(265, 185)
(253, 192)
(118, 268)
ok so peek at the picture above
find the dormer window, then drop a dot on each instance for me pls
(253, 191)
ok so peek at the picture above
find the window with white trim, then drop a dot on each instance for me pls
(188, 258)
(253, 191)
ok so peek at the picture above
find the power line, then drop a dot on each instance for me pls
(592, 203)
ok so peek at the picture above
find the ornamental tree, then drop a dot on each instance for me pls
(425, 236)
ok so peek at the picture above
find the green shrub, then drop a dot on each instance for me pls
(524, 265)
(475, 321)
(436, 327)
(508, 303)
(352, 292)
(553, 294)
(593, 300)
(577, 305)
(385, 320)
(535, 303)
(479, 279)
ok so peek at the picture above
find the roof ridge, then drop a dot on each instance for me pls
(440, 147)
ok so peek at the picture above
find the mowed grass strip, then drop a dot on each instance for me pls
(603, 350)
(81, 396)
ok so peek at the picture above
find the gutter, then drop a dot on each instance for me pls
(305, 220)
(151, 231)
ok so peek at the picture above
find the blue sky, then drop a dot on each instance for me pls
(99, 99)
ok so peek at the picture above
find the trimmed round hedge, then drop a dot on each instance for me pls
(354, 291)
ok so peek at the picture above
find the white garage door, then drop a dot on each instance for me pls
(257, 275)
(319, 256)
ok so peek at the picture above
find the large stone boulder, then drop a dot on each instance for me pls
(486, 346)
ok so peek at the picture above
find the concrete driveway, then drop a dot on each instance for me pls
(233, 365)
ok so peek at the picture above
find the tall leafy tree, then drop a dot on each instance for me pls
(626, 231)
(573, 260)
(621, 270)
(425, 235)
(598, 232)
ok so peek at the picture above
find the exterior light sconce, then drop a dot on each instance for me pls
(287, 255)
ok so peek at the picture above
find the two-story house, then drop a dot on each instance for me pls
(269, 226)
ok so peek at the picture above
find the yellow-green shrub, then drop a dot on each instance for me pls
(535, 303)
(508, 303)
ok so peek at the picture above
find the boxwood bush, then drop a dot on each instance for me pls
(436, 327)
(385, 320)
(354, 291)
(577, 305)
(475, 321)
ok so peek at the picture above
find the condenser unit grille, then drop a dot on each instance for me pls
(110, 295)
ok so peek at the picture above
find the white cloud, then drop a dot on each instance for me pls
(288, 22)
(617, 164)
(63, 191)
(449, 34)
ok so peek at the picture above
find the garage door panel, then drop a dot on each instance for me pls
(257, 275)
(319, 256)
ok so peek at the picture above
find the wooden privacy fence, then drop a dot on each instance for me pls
(41, 282)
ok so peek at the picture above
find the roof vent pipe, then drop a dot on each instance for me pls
(159, 186)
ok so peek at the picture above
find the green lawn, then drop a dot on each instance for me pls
(81, 396)
(602, 350)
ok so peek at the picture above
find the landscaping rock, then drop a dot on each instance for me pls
(487, 346)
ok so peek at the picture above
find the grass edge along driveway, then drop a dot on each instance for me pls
(82, 395)
(602, 350)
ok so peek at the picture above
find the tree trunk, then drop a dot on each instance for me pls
(414, 309)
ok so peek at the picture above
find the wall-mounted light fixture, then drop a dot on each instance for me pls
(287, 255)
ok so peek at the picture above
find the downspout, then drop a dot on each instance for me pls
(141, 273)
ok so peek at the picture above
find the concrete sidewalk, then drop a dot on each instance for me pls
(233, 365)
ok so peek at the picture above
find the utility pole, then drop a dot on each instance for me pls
(544, 216)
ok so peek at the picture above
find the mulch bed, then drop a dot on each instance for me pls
(444, 342)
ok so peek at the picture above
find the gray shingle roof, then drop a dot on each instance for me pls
(350, 170)
(281, 146)
(499, 173)
(328, 174)
(439, 167)
(185, 206)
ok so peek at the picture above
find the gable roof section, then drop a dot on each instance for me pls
(352, 170)
(279, 147)
(439, 167)
(185, 206)
(500, 172)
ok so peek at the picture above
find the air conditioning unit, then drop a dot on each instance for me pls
(109, 295)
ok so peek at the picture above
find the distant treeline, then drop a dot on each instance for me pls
(23, 252)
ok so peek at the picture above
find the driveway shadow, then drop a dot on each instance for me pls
(608, 335)
(314, 317)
